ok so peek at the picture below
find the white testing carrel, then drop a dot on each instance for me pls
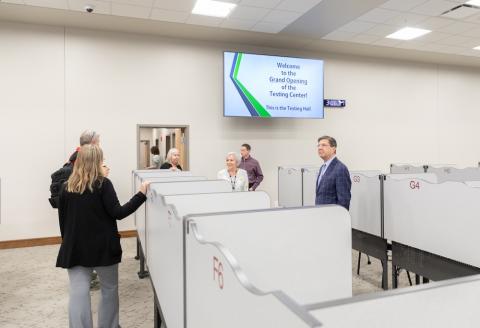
(166, 237)
(304, 254)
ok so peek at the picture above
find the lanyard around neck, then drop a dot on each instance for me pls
(233, 182)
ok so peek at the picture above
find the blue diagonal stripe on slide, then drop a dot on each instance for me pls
(250, 108)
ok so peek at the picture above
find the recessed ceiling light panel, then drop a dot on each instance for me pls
(473, 3)
(408, 33)
(213, 8)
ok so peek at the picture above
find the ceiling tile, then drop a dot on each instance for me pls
(450, 49)
(406, 19)
(386, 42)
(238, 24)
(261, 3)
(434, 7)
(433, 36)
(17, 2)
(281, 17)
(204, 20)
(99, 7)
(169, 15)
(356, 27)
(364, 38)
(339, 36)
(382, 30)
(300, 6)
(120, 9)
(379, 15)
(432, 47)
(455, 40)
(268, 27)
(249, 13)
(417, 45)
(458, 28)
(402, 5)
(177, 5)
(141, 3)
(434, 23)
(56, 4)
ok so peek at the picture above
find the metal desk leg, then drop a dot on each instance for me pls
(385, 274)
(138, 249)
(142, 273)
(394, 276)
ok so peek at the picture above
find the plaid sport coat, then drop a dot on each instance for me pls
(334, 188)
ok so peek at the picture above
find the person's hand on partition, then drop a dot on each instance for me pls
(144, 187)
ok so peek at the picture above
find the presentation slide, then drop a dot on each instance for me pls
(272, 86)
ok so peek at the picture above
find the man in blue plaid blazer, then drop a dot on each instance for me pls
(333, 180)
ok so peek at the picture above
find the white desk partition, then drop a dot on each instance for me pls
(165, 221)
(407, 168)
(140, 213)
(445, 304)
(290, 186)
(309, 184)
(365, 205)
(179, 187)
(137, 178)
(440, 218)
(454, 174)
(233, 258)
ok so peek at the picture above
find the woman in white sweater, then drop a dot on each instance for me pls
(238, 178)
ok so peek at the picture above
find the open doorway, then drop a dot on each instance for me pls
(164, 137)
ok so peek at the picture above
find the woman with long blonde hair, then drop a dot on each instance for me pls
(88, 210)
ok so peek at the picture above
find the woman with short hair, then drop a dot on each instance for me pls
(237, 177)
(88, 210)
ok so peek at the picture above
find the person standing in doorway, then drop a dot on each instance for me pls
(156, 161)
(251, 165)
(333, 180)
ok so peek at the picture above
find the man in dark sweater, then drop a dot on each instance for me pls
(251, 165)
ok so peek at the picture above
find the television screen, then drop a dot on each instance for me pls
(272, 86)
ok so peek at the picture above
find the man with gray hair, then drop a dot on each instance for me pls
(87, 137)
(62, 174)
(333, 180)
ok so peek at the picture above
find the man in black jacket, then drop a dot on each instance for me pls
(62, 174)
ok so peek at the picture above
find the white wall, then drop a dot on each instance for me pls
(57, 83)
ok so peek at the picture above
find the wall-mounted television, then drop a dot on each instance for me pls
(272, 86)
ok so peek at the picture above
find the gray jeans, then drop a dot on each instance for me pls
(79, 308)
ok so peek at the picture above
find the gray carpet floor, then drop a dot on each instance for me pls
(34, 293)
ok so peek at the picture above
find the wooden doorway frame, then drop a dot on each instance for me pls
(186, 140)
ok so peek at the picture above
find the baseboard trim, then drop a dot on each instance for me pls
(49, 241)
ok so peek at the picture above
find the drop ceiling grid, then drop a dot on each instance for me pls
(448, 35)
(270, 16)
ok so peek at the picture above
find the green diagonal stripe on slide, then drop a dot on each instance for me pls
(258, 107)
